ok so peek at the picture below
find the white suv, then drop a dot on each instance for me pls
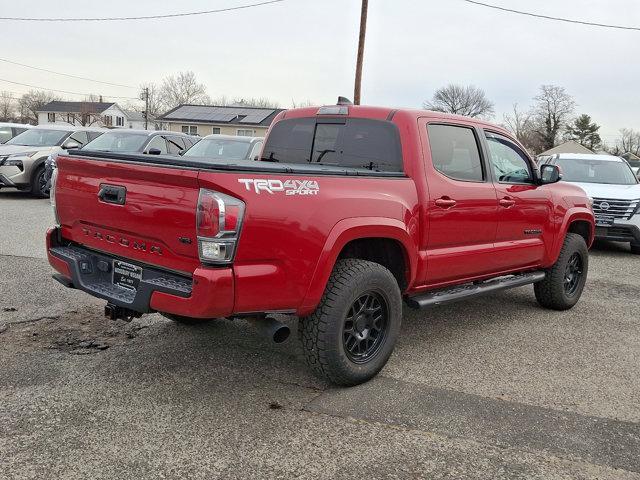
(615, 191)
(22, 159)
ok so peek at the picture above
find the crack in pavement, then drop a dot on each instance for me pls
(600, 441)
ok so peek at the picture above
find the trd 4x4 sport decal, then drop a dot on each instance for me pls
(289, 187)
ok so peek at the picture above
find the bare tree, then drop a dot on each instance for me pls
(8, 106)
(261, 102)
(629, 141)
(86, 116)
(302, 104)
(156, 105)
(31, 102)
(182, 88)
(553, 109)
(469, 101)
(221, 101)
(521, 124)
(93, 97)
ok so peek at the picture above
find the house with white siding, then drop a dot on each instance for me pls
(90, 114)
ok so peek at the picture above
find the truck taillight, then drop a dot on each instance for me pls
(52, 195)
(218, 223)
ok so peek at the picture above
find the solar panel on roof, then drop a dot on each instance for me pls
(220, 114)
(257, 117)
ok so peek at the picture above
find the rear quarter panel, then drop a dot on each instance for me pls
(287, 246)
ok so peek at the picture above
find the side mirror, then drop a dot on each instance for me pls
(70, 145)
(154, 151)
(549, 174)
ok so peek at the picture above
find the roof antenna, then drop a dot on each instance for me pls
(344, 101)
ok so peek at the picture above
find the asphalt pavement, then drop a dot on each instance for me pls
(488, 389)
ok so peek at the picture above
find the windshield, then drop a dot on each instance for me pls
(596, 171)
(39, 137)
(118, 142)
(219, 148)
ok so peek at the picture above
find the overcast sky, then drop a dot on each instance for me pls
(305, 49)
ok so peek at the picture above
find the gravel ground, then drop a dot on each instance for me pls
(491, 388)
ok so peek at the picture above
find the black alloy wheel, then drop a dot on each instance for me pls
(42, 184)
(573, 274)
(365, 327)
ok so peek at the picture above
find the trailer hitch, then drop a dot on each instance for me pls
(115, 312)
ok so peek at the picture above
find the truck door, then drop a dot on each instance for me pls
(461, 211)
(525, 208)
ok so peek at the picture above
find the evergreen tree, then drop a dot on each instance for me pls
(585, 132)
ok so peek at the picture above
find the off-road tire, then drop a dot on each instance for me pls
(635, 249)
(551, 292)
(322, 333)
(36, 178)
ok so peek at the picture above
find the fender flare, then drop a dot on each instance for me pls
(573, 214)
(344, 232)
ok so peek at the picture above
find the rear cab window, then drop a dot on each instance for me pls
(358, 143)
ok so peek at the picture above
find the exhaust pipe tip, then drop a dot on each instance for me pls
(281, 333)
(271, 328)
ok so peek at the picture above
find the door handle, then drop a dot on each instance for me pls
(507, 202)
(445, 202)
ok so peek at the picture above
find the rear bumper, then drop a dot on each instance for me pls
(208, 293)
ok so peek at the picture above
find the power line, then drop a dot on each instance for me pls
(65, 74)
(548, 17)
(62, 91)
(149, 17)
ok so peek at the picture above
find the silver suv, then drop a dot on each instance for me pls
(22, 159)
(614, 190)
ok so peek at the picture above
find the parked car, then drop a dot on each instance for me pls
(216, 147)
(351, 210)
(22, 159)
(10, 130)
(635, 166)
(615, 191)
(151, 142)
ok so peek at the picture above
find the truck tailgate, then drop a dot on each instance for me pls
(159, 201)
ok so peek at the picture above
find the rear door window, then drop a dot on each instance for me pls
(80, 137)
(93, 135)
(455, 152)
(351, 142)
(159, 143)
(5, 134)
(175, 144)
(255, 151)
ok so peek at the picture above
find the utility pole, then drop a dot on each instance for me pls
(363, 30)
(146, 108)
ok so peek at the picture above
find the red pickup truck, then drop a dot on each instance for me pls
(351, 210)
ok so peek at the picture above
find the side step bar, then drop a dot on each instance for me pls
(469, 290)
